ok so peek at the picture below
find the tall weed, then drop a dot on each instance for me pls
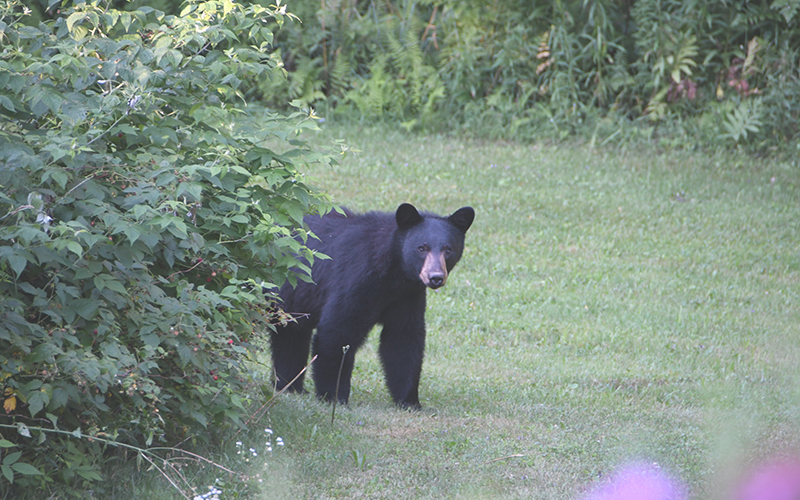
(516, 70)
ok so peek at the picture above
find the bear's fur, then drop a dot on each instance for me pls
(380, 265)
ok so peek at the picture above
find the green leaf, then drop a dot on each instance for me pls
(79, 32)
(17, 263)
(193, 191)
(11, 458)
(295, 211)
(85, 308)
(56, 174)
(178, 228)
(185, 353)
(88, 472)
(7, 103)
(99, 282)
(8, 473)
(126, 19)
(52, 100)
(26, 469)
(4, 443)
(36, 402)
(150, 339)
(75, 247)
(74, 18)
(132, 233)
(201, 418)
(115, 285)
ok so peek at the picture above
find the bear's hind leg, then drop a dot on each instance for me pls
(340, 325)
(290, 347)
(330, 366)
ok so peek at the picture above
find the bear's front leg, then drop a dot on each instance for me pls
(290, 345)
(402, 348)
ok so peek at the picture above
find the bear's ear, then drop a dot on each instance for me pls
(462, 218)
(407, 216)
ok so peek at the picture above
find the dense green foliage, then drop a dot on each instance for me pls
(142, 213)
(723, 73)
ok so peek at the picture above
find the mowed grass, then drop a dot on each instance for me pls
(611, 307)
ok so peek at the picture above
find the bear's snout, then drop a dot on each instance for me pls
(434, 271)
(436, 280)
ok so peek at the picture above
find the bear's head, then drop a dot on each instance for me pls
(432, 245)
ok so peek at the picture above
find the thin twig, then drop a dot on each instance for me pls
(430, 25)
(338, 378)
(174, 485)
(81, 183)
(189, 59)
(20, 208)
(198, 457)
(184, 271)
(107, 130)
(244, 238)
(266, 406)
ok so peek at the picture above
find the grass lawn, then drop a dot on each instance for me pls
(611, 307)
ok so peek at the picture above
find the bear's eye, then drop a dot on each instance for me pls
(447, 251)
(423, 248)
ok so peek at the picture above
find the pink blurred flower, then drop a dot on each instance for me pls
(640, 482)
(773, 481)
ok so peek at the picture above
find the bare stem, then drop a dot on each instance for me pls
(338, 378)
(269, 403)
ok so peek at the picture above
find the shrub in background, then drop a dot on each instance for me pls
(142, 213)
(361, 56)
(724, 73)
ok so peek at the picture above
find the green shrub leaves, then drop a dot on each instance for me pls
(142, 213)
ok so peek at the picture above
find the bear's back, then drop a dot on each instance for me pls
(344, 233)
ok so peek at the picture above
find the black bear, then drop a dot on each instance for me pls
(380, 265)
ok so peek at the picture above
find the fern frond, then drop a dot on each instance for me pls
(413, 59)
(743, 119)
(341, 74)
